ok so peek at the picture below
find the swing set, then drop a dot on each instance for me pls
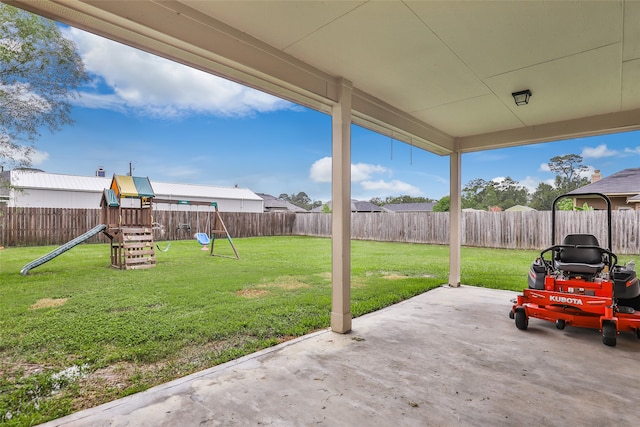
(215, 225)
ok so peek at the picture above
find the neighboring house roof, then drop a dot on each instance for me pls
(410, 207)
(357, 206)
(362, 206)
(519, 208)
(204, 191)
(51, 181)
(272, 203)
(625, 182)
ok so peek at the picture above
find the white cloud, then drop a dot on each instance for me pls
(598, 152)
(21, 154)
(155, 86)
(321, 171)
(544, 167)
(181, 171)
(39, 157)
(632, 150)
(363, 171)
(530, 183)
(391, 187)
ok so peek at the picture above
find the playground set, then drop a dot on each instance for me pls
(127, 220)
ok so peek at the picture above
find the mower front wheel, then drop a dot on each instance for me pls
(609, 333)
(522, 321)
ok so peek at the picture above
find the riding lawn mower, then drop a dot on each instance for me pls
(579, 283)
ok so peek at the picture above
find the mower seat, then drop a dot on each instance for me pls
(577, 259)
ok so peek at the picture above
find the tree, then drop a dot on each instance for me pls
(443, 205)
(40, 72)
(542, 199)
(302, 200)
(481, 194)
(568, 169)
(565, 204)
(390, 200)
(475, 195)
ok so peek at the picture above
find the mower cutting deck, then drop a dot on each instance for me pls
(578, 283)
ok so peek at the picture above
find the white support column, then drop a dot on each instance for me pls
(455, 219)
(341, 210)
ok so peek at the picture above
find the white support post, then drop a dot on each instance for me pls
(341, 210)
(455, 219)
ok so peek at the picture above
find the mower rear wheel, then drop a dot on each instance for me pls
(609, 333)
(522, 322)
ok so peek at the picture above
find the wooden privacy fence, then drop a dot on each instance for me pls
(55, 226)
(509, 230)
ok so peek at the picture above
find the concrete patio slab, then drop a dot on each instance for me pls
(449, 357)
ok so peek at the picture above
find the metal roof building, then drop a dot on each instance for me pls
(33, 188)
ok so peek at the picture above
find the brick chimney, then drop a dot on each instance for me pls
(596, 176)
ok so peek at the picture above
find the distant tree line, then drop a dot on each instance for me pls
(390, 200)
(481, 194)
(301, 200)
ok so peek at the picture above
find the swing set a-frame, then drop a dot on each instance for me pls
(215, 225)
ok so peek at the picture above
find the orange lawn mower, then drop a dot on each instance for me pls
(578, 283)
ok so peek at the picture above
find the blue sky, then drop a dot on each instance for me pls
(177, 124)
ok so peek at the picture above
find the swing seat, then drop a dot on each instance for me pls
(203, 238)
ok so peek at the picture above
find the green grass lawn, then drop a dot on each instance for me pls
(75, 333)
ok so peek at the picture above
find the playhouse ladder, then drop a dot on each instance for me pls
(137, 248)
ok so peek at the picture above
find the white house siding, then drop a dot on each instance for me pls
(45, 190)
(224, 205)
(42, 198)
(229, 199)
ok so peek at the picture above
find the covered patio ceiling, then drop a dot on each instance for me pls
(436, 74)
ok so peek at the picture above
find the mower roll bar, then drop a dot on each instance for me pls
(553, 217)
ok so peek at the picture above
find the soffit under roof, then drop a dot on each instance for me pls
(436, 74)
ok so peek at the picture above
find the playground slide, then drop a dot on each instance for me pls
(51, 255)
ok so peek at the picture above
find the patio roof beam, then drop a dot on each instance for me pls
(589, 126)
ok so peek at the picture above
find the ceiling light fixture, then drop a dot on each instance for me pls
(522, 97)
